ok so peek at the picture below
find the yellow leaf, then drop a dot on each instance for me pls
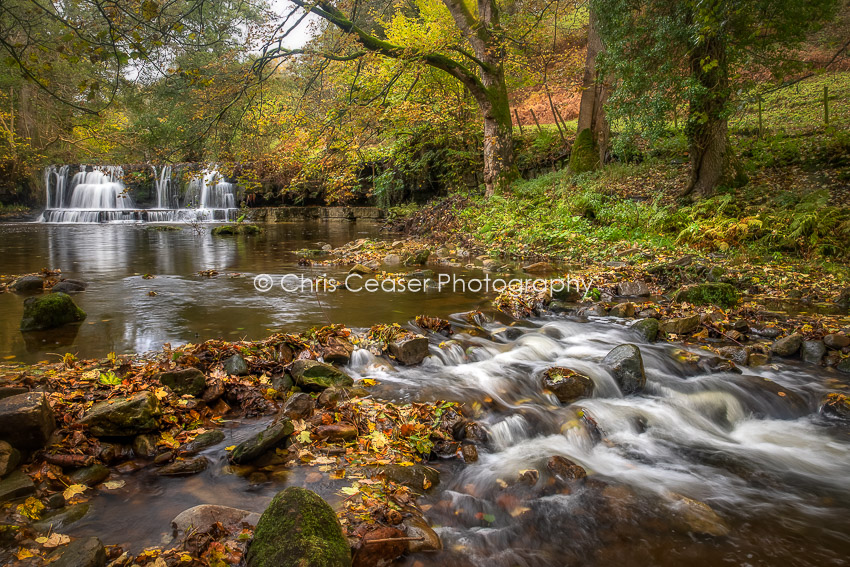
(230, 448)
(74, 490)
(24, 553)
(32, 508)
(114, 484)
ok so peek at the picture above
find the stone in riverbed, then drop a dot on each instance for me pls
(83, 552)
(417, 527)
(203, 441)
(316, 376)
(16, 485)
(626, 365)
(69, 286)
(185, 467)
(567, 385)
(565, 469)
(812, 351)
(836, 405)
(844, 365)
(694, 516)
(736, 354)
(409, 350)
(90, 476)
(836, 341)
(622, 310)
(62, 518)
(201, 518)
(10, 458)
(50, 311)
(681, 325)
(236, 365)
(633, 289)
(416, 476)
(296, 530)
(263, 441)
(647, 329)
(185, 381)
(538, 268)
(337, 432)
(299, 406)
(124, 417)
(387, 544)
(392, 260)
(27, 284)
(144, 446)
(26, 420)
(337, 351)
(787, 346)
(360, 269)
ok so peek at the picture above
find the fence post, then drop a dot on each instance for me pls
(761, 129)
(534, 116)
(521, 133)
(826, 105)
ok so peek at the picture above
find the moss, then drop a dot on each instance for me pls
(298, 529)
(234, 229)
(50, 311)
(584, 156)
(164, 228)
(720, 294)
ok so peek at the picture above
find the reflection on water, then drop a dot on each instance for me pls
(124, 317)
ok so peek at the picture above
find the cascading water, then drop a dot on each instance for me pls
(99, 195)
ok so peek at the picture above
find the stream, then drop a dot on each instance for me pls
(751, 446)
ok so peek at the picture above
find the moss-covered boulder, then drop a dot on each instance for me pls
(234, 229)
(647, 329)
(124, 417)
(585, 153)
(184, 381)
(50, 311)
(296, 530)
(720, 294)
(267, 439)
(316, 376)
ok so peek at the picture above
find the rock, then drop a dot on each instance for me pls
(63, 518)
(263, 441)
(90, 476)
(622, 310)
(10, 458)
(336, 432)
(565, 293)
(650, 313)
(387, 545)
(418, 258)
(360, 269)
(681, 325)
(16, 485)
(416, 476)
(68, 286)
(697, 517)
(50, 311)
(10, 391)
(26, 420)
(767, 332)
(757, 359)
(83, 552)
(558, 306)
(812, 351)
(236, 365)
(836, 405)
(298, 529)
(144, 446)
(337, 351)
(626, 366)
(633, 289)
(844, 365)
(185, 467)
(315, 376)
(282, 384)
(528, 476)
(565, 469)
(736, 354)
(409, 350)
(203, 441)
(836, 341)
(721, 294)
(330, 397)
(392, 260)
(766, 398)
(201, 518)
(787, 346)
(595, 310)
(647, 329)
(187, 381)
(124, 417)
(469, 452)
(538, 268)
(416, 527)
(567, 385)
(299, 406)
(27, 284)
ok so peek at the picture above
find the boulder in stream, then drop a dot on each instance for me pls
(16, 485)
(626, 366)
(409, 350)
(69, 286)
(50, 311)
(316, 376)
(565, 469)
(124, 417)
(812, 351)
(185, 467)
(787, 346)
(647, 329)
(27, 284)
(837, 406)
(420, 477)
(83, 552)
(201, 518)
(10, 458)
(693, 516)
(26, 420)
(235, 365)
(184, 381)
(567, 385)
(298, 529)
(680, 325)
(267, 439)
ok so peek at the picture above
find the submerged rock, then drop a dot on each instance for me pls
(69, 286)
(26, 420)
(62, 518)
(409, 350)
(296, 530)
(697, 517)
(415, 476)
(90, 476)
(647, 329)
(316, 376)
(124, 417)
(16, 485)
(186, 381)
(83, 552)
(185, 467)
(263, 441)
(50, 311)
(565, 469)
(567, 385)
(626, 365)
(27, 284)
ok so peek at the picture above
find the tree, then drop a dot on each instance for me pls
(699, 52)
(475, 56)
(594, 94)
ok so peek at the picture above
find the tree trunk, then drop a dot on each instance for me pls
(591, 112)
(707, 124)
(499, 167)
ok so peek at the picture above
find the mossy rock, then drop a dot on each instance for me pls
(719, 294)
(234, 229)
(584, 155)
(316, 376)
(164, 228)
(298, 529)
(50, 311)
(124, 417)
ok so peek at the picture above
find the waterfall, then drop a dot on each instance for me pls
(165, 199)
(101, 189)
(55, 180)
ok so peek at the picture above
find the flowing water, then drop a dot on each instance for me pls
(751, 446)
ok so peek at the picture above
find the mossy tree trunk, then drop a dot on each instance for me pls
(594, 93)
